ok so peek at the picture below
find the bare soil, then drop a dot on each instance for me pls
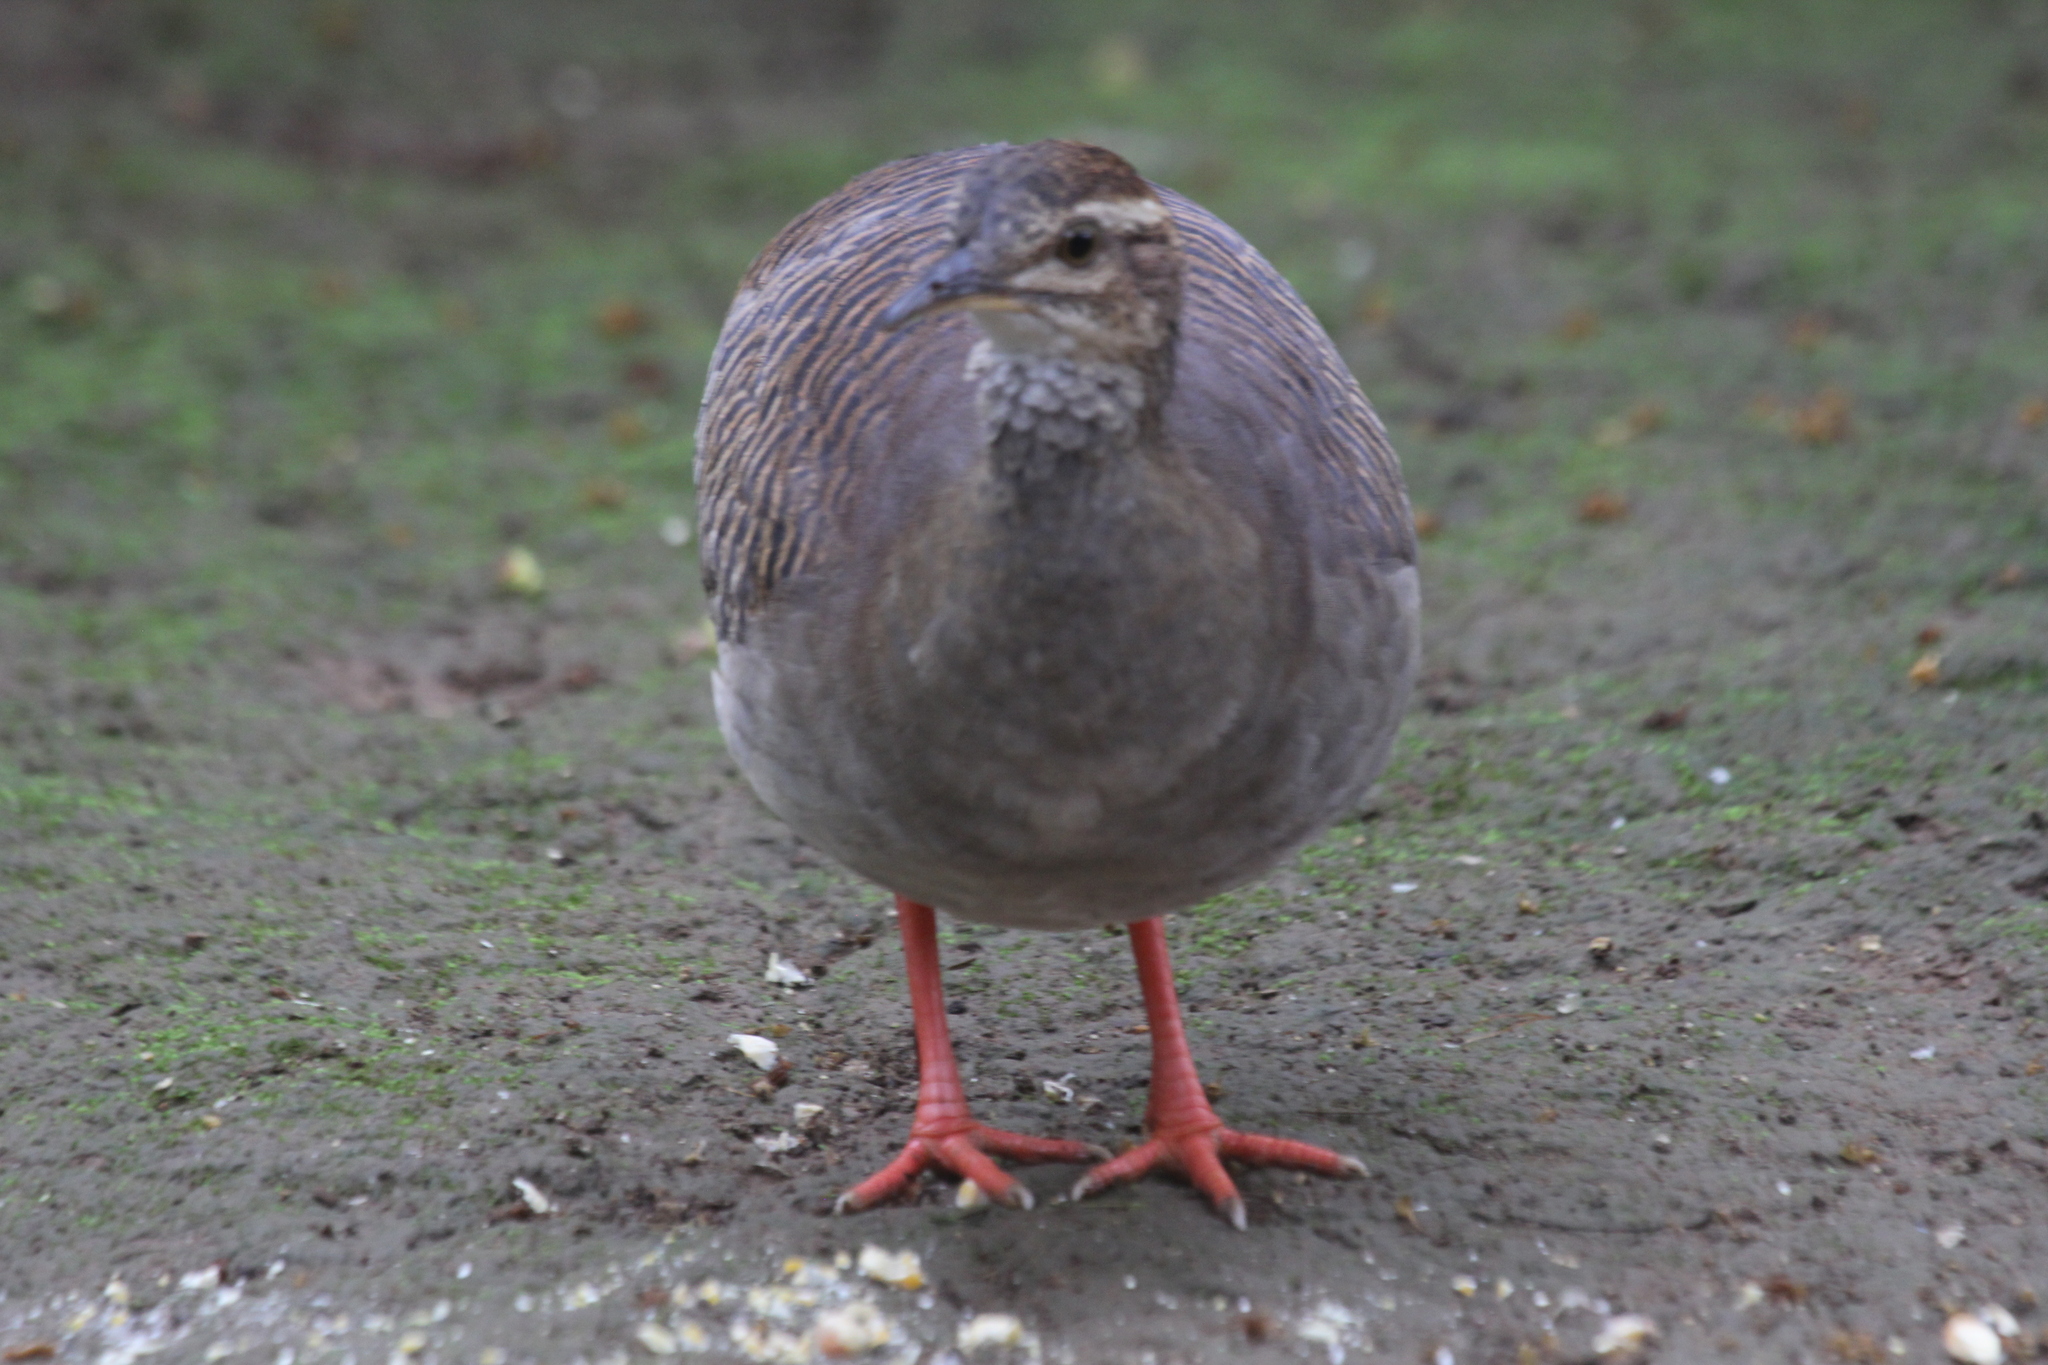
(371, 933)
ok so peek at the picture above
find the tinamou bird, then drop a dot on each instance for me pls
(1063, 577)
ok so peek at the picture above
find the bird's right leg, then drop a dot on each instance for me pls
(943, 1133)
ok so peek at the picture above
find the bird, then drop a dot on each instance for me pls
(1062, 577)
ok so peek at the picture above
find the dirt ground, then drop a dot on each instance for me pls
(377, 902)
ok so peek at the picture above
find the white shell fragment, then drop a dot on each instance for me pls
(1624, 1335)
(1995, 1316)
(762, 1052)
(990, 1329)
(1949, 1236)
(1966, 1338)
(531, 1193)
(782, 972)
(852, 1330)
(807, 1114)
(969, 1196)
(897, 1269)
(1569, 1004)
(783, 1141)
(1464, 1285)
(657, 1339)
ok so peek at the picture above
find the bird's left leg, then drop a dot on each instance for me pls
(944, 1135)
(1184, 1133)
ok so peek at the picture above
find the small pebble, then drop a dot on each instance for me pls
(1624, 1335)
(762, 1052)
(897, 1269)
(656, 1338)
(531, 1193)
(990, 1329)
(853, 1330)
(1966, 1338)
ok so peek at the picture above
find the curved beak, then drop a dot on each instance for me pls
(955, 282)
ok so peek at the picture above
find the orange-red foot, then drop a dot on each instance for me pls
(964, 1151)
(1198, 1154)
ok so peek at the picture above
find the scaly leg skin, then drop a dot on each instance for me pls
(1186, 1136)
(943, 1134)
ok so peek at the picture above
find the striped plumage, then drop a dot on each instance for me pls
(801, 379)
(1073, 612)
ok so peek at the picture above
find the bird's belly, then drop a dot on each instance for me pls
(1007, 815)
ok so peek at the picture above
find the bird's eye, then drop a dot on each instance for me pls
(1077, 244)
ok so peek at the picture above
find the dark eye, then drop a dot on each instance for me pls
(1077, 244)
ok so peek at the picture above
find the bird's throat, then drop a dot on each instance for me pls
(1051, 418)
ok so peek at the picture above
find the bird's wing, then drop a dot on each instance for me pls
(785, 406)
(1251, 344)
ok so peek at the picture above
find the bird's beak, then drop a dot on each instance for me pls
(955, 282)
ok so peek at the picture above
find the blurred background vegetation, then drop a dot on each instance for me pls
(313, 308)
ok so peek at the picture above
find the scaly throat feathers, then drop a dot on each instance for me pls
(1040, 413)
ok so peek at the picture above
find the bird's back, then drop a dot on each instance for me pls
(823, 445)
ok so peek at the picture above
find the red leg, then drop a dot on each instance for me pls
(1186, 1136)
(943, 1134)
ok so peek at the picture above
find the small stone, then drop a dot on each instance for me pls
(853, 1330)
(990, 1329)
(762, 1052)
(1967, 1338)
(1995, 1316)
(519, 571)
(897, 1269)
(1464, 1286)
(1625, 1335)
(656, 1338)
(531, 1193)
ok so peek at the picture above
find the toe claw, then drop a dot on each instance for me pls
(1232, 1210)
(1352, 1167)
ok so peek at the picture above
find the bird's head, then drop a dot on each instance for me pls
(1058, 249)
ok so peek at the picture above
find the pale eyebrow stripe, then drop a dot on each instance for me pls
(1123, 215)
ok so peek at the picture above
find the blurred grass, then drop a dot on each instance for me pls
(303, 309)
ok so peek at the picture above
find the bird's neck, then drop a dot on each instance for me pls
(1059, 419)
